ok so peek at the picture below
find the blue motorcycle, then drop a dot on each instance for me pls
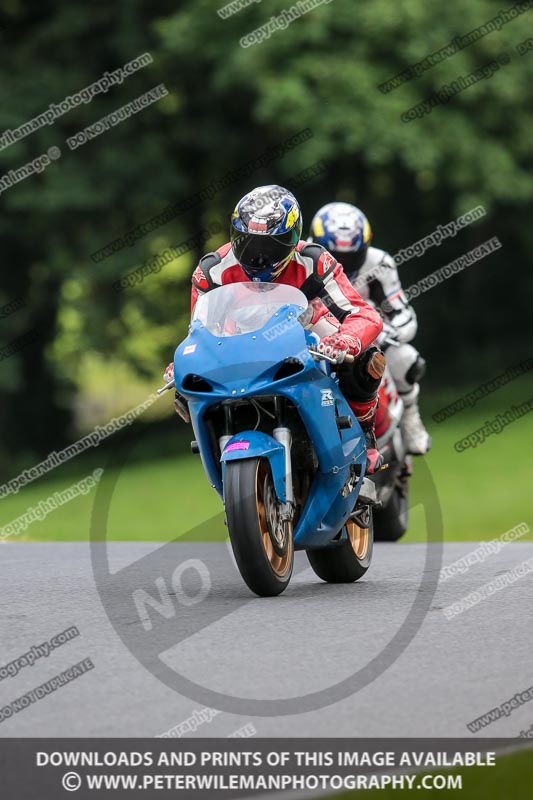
(277, 438)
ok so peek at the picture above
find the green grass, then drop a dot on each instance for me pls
(486, 490)
(156, 499)
(511, 777)
(482, 492)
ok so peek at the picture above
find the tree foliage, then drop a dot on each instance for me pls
(228, 104)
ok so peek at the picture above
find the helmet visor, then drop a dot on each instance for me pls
(256, 252)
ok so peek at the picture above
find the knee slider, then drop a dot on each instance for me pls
(375, 363)
(360, 380)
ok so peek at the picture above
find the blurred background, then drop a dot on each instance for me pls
(76, 352)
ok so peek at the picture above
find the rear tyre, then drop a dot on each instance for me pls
(391, 522)
(349, 561)
(262, 543)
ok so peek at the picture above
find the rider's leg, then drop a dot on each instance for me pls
(359, 382)
(407, 369)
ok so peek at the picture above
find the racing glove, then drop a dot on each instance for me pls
(339, 345)
(168, 374)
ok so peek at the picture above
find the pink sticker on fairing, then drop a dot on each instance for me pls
(237, 446)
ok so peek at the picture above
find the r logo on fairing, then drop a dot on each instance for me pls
(327, 397)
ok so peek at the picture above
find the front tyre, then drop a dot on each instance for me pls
(347, 562)
(262, 542)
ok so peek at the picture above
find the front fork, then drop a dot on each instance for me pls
(281, 434)
(284, 437)
(228, 427)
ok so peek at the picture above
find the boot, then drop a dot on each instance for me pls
(417, 439)
(374, 459)
(366, 416)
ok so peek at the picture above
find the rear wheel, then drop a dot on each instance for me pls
(262, 542)
(391, 522)
(349, 561)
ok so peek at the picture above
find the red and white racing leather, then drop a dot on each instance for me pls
(332, 298)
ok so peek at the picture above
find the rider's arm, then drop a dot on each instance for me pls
(357, 317)
(195, 294)
(386, 292)
(202, 280)
(329, 283)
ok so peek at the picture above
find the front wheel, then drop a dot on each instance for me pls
(262, 542)
(347, 562)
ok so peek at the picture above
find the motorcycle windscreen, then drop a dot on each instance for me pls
(240, 308)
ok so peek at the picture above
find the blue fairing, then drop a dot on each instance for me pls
(244, 366)
(250, 444)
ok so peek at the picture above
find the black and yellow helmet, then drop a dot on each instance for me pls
(266, 226)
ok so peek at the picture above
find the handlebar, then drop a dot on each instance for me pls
(348, 358)
(169, 385)
(393, 342)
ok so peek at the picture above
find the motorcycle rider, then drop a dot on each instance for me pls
(345, 231)
(266, 245)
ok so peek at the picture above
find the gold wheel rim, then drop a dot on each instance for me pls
(280, 564)
(359, 538)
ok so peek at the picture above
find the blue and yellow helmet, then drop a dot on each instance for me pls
(344, 230)
(266, 226)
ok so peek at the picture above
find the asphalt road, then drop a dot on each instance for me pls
(209, 628)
